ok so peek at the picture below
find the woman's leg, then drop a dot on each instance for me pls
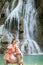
(5, 62)
(19, 60)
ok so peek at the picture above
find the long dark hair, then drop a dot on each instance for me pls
(12, 40)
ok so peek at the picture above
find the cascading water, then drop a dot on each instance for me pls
(7, 9)
(30, 29)
(15, 13)
(29, 45)
(13, 5)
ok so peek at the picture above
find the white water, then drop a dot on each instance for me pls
(30, 26)
(15, 13)
(7, 11)
(13, 5)
(6, 6)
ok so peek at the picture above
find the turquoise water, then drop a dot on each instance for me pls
(33, 60)
(28, 60)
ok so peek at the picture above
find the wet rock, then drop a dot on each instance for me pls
(4, 38)
(21, 31)
(0, 6)
(21, 28)
(3, 15)
(14, 25)
(39, 7)
(37, 3)
(39, 35)
(4, 44)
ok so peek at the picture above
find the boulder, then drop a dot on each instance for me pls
(4, 38)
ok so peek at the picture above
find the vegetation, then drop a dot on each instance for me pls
(39, 7)
(41, 22)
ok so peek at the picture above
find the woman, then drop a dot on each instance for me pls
(13, 54)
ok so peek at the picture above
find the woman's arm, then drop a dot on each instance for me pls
(18, 52)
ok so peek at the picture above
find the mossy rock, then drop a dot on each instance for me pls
(0, 6)
(3, 47)
(2, 20)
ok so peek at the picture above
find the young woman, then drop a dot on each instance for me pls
(13, 54)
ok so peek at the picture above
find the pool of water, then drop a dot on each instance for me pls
(28, 60)
(33, 59)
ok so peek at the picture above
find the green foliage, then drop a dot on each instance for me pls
(41, 22)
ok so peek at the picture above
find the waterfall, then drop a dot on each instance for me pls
(6, 6)
(15, 14)
(30, 46)
(13, 5)
(7, 11)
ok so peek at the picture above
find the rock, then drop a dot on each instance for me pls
(39, 35)
(4, 44)
(21, 28)
(0, 6)
(37, 3)
(21, 31)
(4, 38)
(2, 15)
(39, 7)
